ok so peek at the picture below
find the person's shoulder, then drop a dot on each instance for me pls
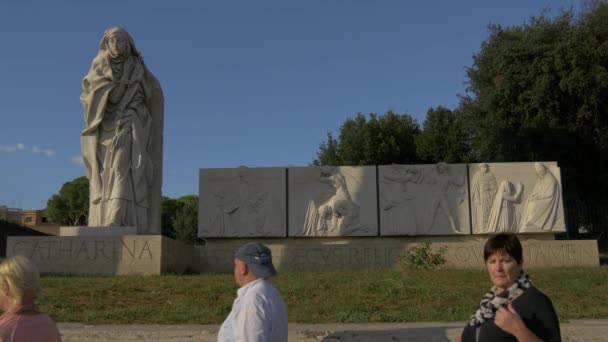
(32, 327)
(265, 291)
(537, 293)
(533, 299)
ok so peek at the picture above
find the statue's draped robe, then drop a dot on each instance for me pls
(482, 195)
(503, 217)
(117, 140)
(542, 208)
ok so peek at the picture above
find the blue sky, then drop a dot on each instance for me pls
(255, 83)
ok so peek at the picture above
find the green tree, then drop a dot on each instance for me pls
(539, 91)
(71, 205)
(443, 137)
(169, 208)
(186, 219)
(383, 139)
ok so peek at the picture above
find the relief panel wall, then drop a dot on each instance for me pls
(242, 202)
(516, 198)
(332, 201)
(423, 199)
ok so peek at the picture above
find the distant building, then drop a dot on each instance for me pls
(34, 219)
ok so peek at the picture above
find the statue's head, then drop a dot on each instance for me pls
(540, 169)
(484, 167)
(117, 42)
(442, 167)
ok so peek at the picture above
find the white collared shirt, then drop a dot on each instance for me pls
(258, 314)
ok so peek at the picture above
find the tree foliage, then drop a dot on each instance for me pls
(186, 220)
(177, 217)
(443, 137)
(169, 208)
(383, 139)
(71, 205)
(539, 91)
(536, 92)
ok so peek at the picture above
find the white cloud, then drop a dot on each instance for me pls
(49, 152)
(77, 160)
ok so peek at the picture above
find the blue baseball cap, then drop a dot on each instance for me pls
(258, 259)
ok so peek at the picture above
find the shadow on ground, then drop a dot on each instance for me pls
(430, 334)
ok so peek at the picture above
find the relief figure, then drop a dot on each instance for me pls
(336, 215)
(400, 214)
(503, 217)
(441, 182)
(542, 205)
(483, 190)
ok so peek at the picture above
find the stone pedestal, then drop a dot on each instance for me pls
(382, 252)
(97, 231)
(104, 255)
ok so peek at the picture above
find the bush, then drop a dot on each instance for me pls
(422, 256)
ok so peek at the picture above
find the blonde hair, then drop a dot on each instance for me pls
(23, 277)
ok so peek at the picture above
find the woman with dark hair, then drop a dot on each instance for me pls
(513, 309)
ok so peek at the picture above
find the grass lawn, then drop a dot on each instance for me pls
(313, 297)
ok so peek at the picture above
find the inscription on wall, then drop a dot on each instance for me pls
(219, 256)
(65, 249)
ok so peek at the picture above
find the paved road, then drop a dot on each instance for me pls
(573, 331)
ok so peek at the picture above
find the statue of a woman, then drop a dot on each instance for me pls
(122, 138)
(542, 205)
(483, 191)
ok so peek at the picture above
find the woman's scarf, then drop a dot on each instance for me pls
(491, 302)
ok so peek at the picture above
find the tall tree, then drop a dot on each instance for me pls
(185, 221)
(172, 208)
(443, 137)
(539, 91)
(383, 139)
(169, 208)
(71, 205)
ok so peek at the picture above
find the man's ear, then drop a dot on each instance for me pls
(245, 269)
(241, 267)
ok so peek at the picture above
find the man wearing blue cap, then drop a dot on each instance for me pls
(258, 312)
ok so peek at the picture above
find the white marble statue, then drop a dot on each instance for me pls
(122, 138)
(483, 190)
(542, 204)
(503, 217)
(338, 214)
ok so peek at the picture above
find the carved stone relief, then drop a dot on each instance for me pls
(332, 201)
(483, 190)
(423, 199)
(528, 199)
(242, 202)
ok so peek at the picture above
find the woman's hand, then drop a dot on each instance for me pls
(508, 320)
